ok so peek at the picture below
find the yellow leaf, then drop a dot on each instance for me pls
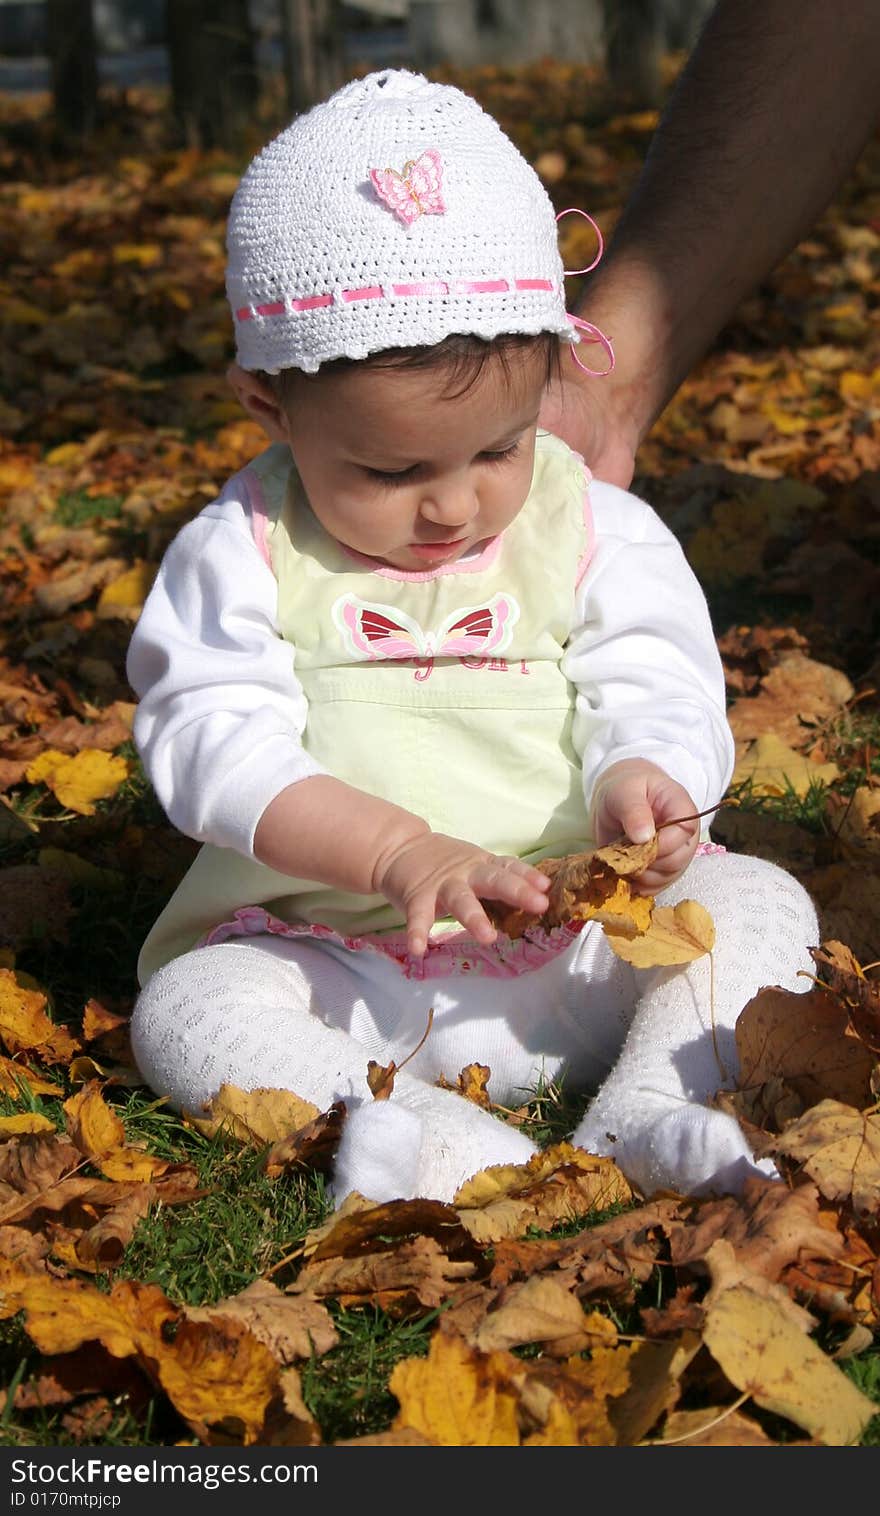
(773, 768)
(144, 254)
(255, 1116)
(677, 934)
(623, 912)
(128, 592)
(763, 1351)
(24, 1024)
(28, 1121)
(78, 781)
(17, 1080)
(131, 1166)
(456, 1396)
(92, 1125)
(839, 1148)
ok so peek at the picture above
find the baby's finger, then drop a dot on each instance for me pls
(511, 886)
(420, 918)
(637, 820)
(462, 903)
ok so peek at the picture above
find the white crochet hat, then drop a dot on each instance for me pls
(392, 215)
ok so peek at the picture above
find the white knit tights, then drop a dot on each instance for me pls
(305, 1016)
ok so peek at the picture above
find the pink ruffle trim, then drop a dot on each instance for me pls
(456, 954)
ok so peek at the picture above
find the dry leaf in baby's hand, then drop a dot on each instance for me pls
(587, 886)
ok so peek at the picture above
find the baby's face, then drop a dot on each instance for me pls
(397, 469)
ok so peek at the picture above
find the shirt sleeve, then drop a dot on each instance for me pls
(643, 656)
(221, 712)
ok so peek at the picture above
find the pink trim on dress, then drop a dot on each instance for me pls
(259, 514)
(483, 560)
(455, 954)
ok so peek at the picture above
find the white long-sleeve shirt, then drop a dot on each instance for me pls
(222, 713)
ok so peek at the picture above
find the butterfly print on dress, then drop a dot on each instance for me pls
(375, 631)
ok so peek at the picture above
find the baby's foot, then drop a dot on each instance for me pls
(391, 1152)
(378, 1153)
(689, 1149)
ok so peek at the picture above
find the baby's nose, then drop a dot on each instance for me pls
(452, 505)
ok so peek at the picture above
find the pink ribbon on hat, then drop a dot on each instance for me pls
(587, 326)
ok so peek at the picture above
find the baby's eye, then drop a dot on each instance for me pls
(392, 476)
(500, 455)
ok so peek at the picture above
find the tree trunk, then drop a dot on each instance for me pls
(214, 82)
(314, 56)
(73, 64)
(634, 31)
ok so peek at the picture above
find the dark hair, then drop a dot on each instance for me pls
(460, 356)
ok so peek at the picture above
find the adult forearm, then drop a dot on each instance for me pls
(774, 106)
(330, 832)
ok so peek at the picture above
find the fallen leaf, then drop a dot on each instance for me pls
(291, 1326)
(19, 1081)
(762, 1351)
(542, 1311)
(472, 1084)
(769, 767)
(256, 1117)
(92, 1125)
(79, 781)
(29, 1121)
(457, 1396)
(557, 1184)
(803, 1039)
(676, 934)
(25, 1026)
(768, 1226)
(415, 1272)
(380, 1078)
(313, 1146)
(796, 695)
(839, 1147)
(860, 995)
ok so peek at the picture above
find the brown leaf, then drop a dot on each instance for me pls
(768, 1226)
(860, 994)
(31, 1166)
(312, 1147)
(586, 887)
(472, 1083)
(796, 695)
(541, 1310)
(770, 767)
(291, 1326)
(103, 1244)
(839, 1148)
(804, 1040)
(414, 1273)
(714, 1426)
(380, 1078)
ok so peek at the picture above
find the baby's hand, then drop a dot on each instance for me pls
(635, 797)
(433, 875)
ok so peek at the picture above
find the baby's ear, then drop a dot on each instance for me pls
(259, 402)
